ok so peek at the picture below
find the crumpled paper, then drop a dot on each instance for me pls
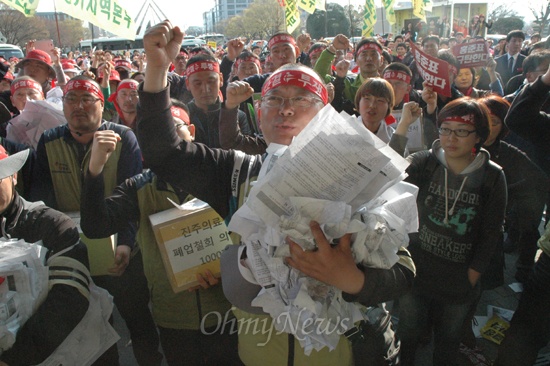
(311, 310)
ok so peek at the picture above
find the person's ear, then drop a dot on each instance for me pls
(192, 131)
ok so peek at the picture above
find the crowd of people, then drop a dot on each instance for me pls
(477, 26)
(175, 124)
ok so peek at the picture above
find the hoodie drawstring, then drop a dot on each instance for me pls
(451, 211)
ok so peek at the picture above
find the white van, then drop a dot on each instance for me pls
(10, 50)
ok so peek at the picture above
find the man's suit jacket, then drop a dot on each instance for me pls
(502, 67)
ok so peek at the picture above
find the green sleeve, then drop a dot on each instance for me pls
(323, 64)
(106, 93)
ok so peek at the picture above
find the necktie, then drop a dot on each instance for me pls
(511, 64)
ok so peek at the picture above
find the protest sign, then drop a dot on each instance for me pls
(433, 70)
(190, 239)
(472, 54)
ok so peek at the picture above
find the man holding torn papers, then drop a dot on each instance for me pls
(324, 225)
(66, 324)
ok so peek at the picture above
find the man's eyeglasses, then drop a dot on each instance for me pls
(274, 101)
(458, 132)
(86, 100)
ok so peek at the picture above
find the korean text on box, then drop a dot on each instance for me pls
(190, 242)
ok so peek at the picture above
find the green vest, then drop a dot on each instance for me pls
(171, 310)
(66, 172)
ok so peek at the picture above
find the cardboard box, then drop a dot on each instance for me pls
(101, 252)
(191, 239)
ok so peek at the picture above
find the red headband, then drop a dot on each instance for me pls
(467, 119)
(202, 66)
(397, 75)
(128, 84)
(296, 78)
(281, 38)
(369, 46)
(84, 85)
(181, 114)
(248, 59)
(316, 51)
(30, 84)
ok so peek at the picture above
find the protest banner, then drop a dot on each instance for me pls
(433, 70)
(369, 19)
(27, 7)
(390, 13)
(307, 5)
(472, 54)
(419, 10)
(108, 15)
(292, 15)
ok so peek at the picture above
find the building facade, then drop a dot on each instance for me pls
(224, 9)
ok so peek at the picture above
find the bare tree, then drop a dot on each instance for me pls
(503, 11)
(18, 29)
(71, 32)
(542, 16)
(262, 19)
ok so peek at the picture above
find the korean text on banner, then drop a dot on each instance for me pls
(390, 13)
(292, 16)
(307, 5)
(433, 70)
(369, 19)
(472, 54)
(106, 14)
(27, 7)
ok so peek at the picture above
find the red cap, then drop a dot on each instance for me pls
(115, 76)
(38, 55)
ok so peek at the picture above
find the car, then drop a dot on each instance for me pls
(10, 50)
(192, 43)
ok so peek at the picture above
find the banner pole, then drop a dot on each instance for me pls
(57, 26)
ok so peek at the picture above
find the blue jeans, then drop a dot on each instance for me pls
(530, 327)
(418, 313)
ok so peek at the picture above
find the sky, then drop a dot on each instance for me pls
(189, 12)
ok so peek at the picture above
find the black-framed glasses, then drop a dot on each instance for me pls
(86, 100)
(459, 132)
(274, 101)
